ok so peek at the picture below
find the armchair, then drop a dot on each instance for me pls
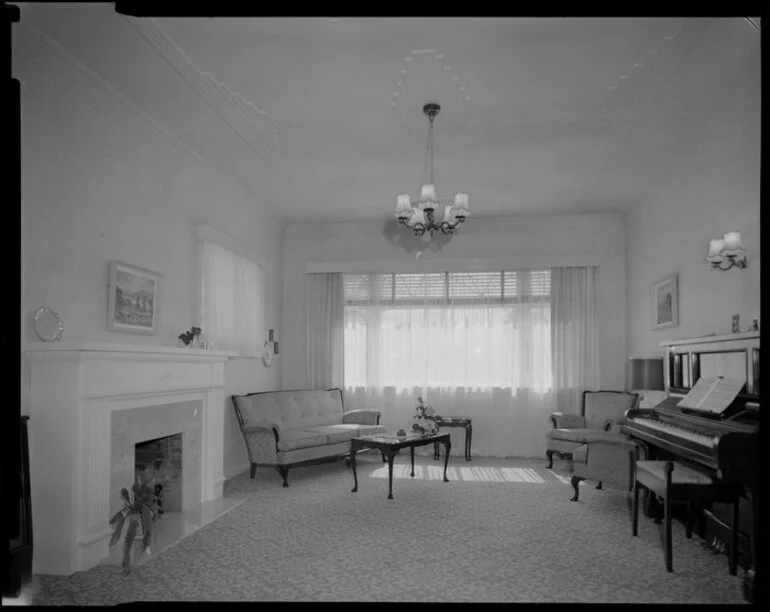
(609, 458)
(601, 412)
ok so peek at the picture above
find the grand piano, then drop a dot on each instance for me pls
(724, 446)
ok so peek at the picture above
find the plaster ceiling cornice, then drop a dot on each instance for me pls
(30, 32)
(248, 121)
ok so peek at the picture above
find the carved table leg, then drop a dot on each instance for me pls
(447, 447)
(391, 455)
(575, 482)
(411, 452)
(353, 465)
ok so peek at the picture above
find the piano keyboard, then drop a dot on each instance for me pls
(676, 430)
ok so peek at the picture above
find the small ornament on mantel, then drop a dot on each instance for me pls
(190, 338)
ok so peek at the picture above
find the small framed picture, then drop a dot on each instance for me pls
(665, 302)
(133, 299)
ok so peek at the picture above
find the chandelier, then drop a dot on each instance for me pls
(421, 215)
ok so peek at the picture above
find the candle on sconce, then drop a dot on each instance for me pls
(715, 247)
(732, 241)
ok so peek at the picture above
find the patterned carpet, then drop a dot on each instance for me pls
(502, 530)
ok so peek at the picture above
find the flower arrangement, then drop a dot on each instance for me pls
(188, 336)
(141, 512)
(425, 419)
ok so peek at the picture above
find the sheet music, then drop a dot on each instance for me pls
(712, 394)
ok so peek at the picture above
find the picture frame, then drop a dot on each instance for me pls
(664, 299)
(133, 299)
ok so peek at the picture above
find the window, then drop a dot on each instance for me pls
(232, 309)
(471, 329)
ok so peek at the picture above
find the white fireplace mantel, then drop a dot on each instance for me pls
(74, 389)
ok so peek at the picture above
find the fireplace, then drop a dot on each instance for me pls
(90, 404)
(158, 463)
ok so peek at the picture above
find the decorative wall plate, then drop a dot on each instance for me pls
(267, 354)
(48, 325)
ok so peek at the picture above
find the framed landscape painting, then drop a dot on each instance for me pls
(133, 299)
(665, 302)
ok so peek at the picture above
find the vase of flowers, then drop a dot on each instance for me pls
(191, 337)
(139, 513)
(425, 419)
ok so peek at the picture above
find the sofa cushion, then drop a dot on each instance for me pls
(334, 433)
(301, 408)
(370, 430)
(291, 439)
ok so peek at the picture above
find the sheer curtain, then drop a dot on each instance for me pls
(232, 307)
(472, 344)
(325, 345)
(574, 337)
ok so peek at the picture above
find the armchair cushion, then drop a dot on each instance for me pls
(579, 436)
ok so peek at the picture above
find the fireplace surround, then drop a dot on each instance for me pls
(76, 390)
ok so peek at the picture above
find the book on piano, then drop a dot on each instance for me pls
(712, 394)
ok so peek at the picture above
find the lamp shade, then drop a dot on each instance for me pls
(645, 373)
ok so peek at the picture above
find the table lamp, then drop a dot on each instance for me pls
(645, 374)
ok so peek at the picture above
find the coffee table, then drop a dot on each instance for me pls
(389, 445)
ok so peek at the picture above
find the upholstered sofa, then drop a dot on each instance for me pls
(299, 427)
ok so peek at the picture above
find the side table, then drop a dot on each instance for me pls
(456, 421)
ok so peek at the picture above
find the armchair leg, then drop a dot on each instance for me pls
(635, 527)
(253, 470)
(575, 482)
(549, 456)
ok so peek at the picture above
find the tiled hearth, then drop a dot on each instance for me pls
(87, 403)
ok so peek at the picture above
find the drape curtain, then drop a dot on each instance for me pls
(574, 335)
(325, 325)
(471, 344)
(232, 300)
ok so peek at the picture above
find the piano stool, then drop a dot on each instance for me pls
(677, 483)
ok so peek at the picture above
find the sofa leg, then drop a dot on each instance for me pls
(283, 470)
(575, 482)
(549, 456)
(599, 486)
(253, 470)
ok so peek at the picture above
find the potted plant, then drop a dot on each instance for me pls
(425, 419)
(138, 513)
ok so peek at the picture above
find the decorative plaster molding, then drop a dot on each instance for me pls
(54, 63)
(249, 122)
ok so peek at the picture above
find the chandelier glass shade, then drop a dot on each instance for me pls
(422, 216)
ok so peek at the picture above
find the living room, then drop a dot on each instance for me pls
(141, 137)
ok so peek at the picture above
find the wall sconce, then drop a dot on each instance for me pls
(273, 341)
(726, 252)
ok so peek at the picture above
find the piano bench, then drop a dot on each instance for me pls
(677, 483)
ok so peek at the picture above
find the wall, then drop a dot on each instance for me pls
(713, 190)
(526, 240)
(102, 181)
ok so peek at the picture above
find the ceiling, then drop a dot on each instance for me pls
(320, 119)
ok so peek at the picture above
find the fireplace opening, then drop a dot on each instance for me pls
(158, 462)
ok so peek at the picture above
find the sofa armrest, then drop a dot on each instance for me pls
(261, 444)
(260, 427)
(560, 420)
(362, 416)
